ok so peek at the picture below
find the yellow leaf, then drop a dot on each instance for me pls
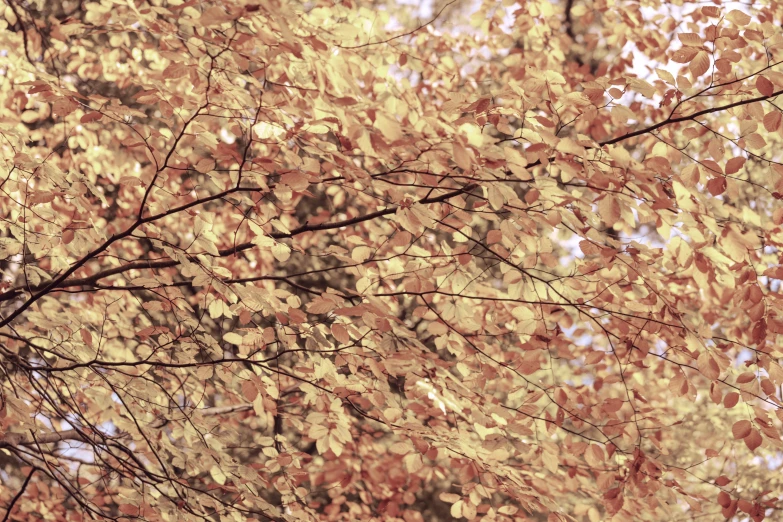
(217, 475)
(620, 155)
(218, 308)
(665, 76)
(609, 209)
(30, 116)
(317, 432)
(361, 253)
(641, 86)
(462, 157)
(496, 199)
(267, 130)
(232, 338)
(569, 146)
(389, 127)
(281, 251)
(456, 509)
(317, 129)
(413, 462)
(550, 461)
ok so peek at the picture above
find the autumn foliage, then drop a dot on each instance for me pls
(360, 260)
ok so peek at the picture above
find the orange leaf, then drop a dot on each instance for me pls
(340, 333)
(594, 357)
(690, 39)
(588, 248)
(711, 11)
(707, 366)
(772, 120)
(699, 64)
(755, 140)
(738, 17)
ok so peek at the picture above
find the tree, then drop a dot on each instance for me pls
(267, 260)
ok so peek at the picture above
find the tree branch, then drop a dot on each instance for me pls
(23, 439)
(18, 495)
(63, 282)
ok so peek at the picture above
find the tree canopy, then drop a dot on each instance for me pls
(364, 260)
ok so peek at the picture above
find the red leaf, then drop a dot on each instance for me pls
(90, 116)
(731, 400)
(764, 86)
(722, 481)
(717, 186)
(734, 165)
(745, 505)
(741, 429)
(753, 440)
